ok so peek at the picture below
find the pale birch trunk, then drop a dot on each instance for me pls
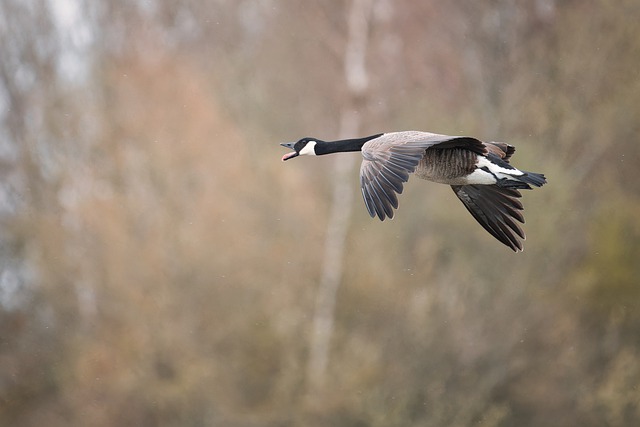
(343, 193)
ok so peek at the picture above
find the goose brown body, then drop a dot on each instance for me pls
(446, 166)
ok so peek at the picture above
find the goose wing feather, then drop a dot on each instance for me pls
(496, 209)
(389, 159)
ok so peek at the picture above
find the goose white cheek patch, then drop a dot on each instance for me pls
(309, 149)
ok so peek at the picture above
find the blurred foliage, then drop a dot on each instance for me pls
(158, 263)
(608, 277)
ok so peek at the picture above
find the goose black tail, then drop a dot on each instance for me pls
(523, 182)
(535, 179)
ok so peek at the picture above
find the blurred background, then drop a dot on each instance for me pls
(160, 266)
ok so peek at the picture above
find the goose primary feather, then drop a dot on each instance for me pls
(478, 172)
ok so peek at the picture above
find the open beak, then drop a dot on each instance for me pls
(289, 155)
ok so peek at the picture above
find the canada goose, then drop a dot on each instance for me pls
(479, 174)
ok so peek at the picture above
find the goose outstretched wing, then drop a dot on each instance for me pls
(390, 158)
(497, 209)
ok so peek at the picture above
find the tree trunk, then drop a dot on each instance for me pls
(343, 192)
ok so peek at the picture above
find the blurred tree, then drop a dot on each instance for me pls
(158, 266)
(357, 83)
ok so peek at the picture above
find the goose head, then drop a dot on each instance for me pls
(304, 147)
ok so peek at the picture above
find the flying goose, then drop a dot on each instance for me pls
(478, 172)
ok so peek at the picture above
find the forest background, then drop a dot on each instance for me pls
(159, 265)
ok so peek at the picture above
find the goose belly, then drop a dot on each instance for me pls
(450, 166)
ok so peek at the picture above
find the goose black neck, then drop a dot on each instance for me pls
(343, 145)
